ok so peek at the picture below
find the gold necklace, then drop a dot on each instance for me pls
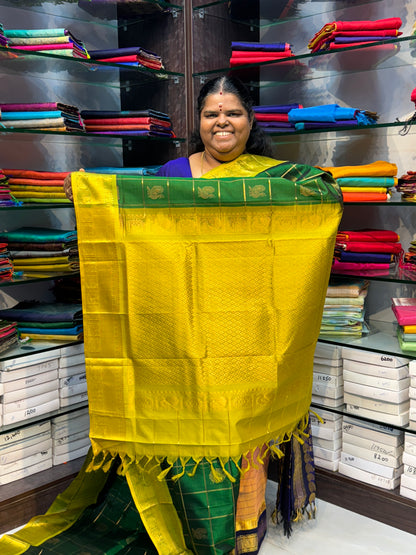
(202, 162)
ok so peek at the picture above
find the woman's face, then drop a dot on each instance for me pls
(224, 126)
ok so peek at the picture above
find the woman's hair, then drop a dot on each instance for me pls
(258, 142)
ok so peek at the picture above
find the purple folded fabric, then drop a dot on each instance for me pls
(275, 124)
(131, 133)
(276, 109)
(21, 107)
(271, 46)
(375, 257)
(348, 40)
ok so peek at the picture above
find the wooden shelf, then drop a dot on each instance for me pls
(26, 498)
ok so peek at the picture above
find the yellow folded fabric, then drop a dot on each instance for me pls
(375, 169)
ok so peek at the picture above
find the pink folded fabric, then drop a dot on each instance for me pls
(63, 46)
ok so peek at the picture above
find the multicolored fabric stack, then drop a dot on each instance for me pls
(407, 186)
(275, 118)
(132, 56)
(404, 309)
(42, 252)
(149, 122)
(344, 308)
(243, 53)
(367, 182)
(366, 252)
(3, 38)
(6, 264)
(57, 41)
(330, 116)
(8, 335)
(6, 198)
(31, 186)
(46, 321)
(341, 34)
(47, 116)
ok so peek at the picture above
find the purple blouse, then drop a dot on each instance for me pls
(176, 168)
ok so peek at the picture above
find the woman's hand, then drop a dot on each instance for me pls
(68, 186)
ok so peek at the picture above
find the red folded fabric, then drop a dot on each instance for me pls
(357, 266)
(126, 121)
(132, 58)
(35, 174)
(364, 197)
(377, 235)
(388, 23)
(147, 127)
(257, 53)
(366, 246)
(272, 117)
(242, 61)
(37, 182)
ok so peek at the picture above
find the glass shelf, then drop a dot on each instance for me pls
(23, 279)
(43, 417)
(283, 12)
(105, 14)
(342, 410)
(382, 338)
(95, 137)
(37, 206)
(398, 275)
(32, 347)
(85, 72)
(397, 52)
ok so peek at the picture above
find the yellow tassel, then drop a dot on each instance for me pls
(216, 476)
(298, 515)
(229, 476)
(193, 471)
(317, 416)
(179, 475)
(164, 473)
(300, 440)
(276, 451)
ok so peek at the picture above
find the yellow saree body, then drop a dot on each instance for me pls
(202, 303)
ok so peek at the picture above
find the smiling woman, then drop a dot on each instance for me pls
(227, 130)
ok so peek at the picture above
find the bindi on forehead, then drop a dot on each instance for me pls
(220, 106)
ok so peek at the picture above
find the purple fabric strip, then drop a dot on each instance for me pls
(275, 109)
(28, 106)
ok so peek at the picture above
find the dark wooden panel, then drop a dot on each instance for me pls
(24, 499)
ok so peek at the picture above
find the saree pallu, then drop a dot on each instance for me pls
(199, 356)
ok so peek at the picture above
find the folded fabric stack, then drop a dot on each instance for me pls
(57, 41)
(72, 376)
(341, 34)
(371, 453)
(344, 308)
(46, 321)
(141, 170)
(42, 252)
(255, 52)
(135, 56)
(408, 478)
(274, 118)
(330, 116)
(37, 186)
(370, 250)
(6, 264)
(407, 186)
(6, 198)
(8, 334)
(404, 309)
(409, 257)
(3, 38)
(365, 183)
(327, 385)
(376, 386)
(149, 123)
(48, 116)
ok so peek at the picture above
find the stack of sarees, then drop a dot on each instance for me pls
(6, 198)
(135, 56)
(342, 34)
(42, 252)
(344, 307)
(404, 309)
(275, 118)
(407, 186)
(3, 38)
(366, 252)
(6, 264)
(148, 122)
(243, 53)
(8, 335)
(45, 116)
(56, 41)
(46, 321)
(32, 186)
(367, 182)
(330, 116)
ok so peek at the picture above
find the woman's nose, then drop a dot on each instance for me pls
(222, 119)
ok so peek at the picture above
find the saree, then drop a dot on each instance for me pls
(199, 355)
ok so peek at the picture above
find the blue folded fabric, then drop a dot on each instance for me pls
(38, 114)
(323, 113)
(257, 46)
(145, 170)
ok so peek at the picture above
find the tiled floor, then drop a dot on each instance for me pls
(336, 531)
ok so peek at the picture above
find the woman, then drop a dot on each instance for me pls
(209, 503)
